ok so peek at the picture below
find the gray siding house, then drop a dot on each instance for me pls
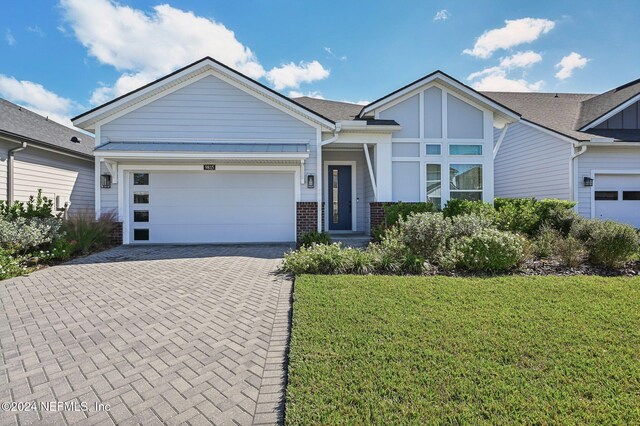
(37, 153)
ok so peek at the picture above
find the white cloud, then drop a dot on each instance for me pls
(36, 98)
(36, 30)
(291, 75)
(330, 52)
(521, 60)
(360, 102)
(313, 94)
(145, 46)
(569, 63)
(442, 15)
(9, 38)
(514, 33)
(496, 79)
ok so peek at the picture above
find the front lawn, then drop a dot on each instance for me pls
(425, 350)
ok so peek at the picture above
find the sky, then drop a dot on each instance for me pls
(62, 57)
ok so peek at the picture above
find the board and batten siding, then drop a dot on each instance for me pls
(602, 158)
(205, 110)
(532, 163)
(56, 174)
(435, 114)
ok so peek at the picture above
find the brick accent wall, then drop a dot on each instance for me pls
(377, 216)
(115, 236)
(306, 217)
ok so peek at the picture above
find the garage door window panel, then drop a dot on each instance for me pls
(631, 195)
(141, 215)
(141, 179)
(141, 235)
(606, 195)
(141, 198)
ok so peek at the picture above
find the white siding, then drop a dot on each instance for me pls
(55, 174)
(409, 110)
(208, 109)
(602, 158)
(404, 173)
(532, 163)
(464, 121)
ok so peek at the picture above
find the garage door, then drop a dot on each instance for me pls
(617, 197)
(211, 207)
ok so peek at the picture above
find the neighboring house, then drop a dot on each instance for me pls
(581, 147)
(37, 153)
(207, 154)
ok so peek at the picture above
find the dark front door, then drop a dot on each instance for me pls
(340, 198)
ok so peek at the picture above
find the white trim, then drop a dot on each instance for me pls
(595, 183)
(611, 113)
(371, 175)
(97, 194)
(202, 155)
(124, 190)
(421, 109)
(503, 132)
(319, 180)
(205, 68)
(448, 81)
(354, 204)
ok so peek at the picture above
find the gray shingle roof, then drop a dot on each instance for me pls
(21, 122)
(598, 106)
(333, 110)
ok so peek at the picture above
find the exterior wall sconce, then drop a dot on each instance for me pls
(311, 181)
(105, 181)
(588, 181)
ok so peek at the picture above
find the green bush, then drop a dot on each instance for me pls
(395, 212)
(22, 234)
(607, 243)
(569, 251)
(87, 233)
(393, 256)
(545, 242)
(489, 251)
(36, 207)
(465, 207)
(526, 215)
(426, 234)
(328, 259)
(467, 225)
(315, 237)
(12, 264)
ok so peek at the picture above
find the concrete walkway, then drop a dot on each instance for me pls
(160, 334)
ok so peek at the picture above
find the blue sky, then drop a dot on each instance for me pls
(62, 57)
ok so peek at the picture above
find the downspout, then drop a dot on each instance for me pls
(10, 183)
(572, 183)
(319, 168)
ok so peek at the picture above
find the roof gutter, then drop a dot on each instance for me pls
(10, 161)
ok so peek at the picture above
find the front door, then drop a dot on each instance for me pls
(340, 198)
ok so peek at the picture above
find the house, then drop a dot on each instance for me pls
(581, 147)
(37, 153)
(206, 154)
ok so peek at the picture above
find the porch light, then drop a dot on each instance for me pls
(311, 181)
(588, 181)
(105, 181)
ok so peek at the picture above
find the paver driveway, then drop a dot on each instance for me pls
(163, 334)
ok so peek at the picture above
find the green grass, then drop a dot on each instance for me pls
(439, 350)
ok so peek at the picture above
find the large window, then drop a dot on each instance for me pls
(434, 184)
(465, 181)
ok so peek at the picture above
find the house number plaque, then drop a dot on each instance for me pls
(209, 166)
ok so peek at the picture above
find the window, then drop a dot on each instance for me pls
(434, 149)
(141, 178)
(465, 149)
(141, 216)
(631, 195)
(465, 181)
(141, 198)
(334, 208)
(141, 234)
(434, 184)
(607, 195)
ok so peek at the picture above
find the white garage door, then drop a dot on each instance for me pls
(211, 207)
(617, 197)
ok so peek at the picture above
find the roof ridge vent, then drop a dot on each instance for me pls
(624, 86)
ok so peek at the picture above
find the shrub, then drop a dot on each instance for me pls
(22, 234)
(395, 212)
(545, 242)
(561, 219)
(569, 251)
(464, 207)
(12, 265)
(426, 234)
(315, 237)
(36, 207)
(469, 224)
(607, 243)
(86, 233)
(328, 259)
(393, 256)
(526, 215)
(489, 251)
